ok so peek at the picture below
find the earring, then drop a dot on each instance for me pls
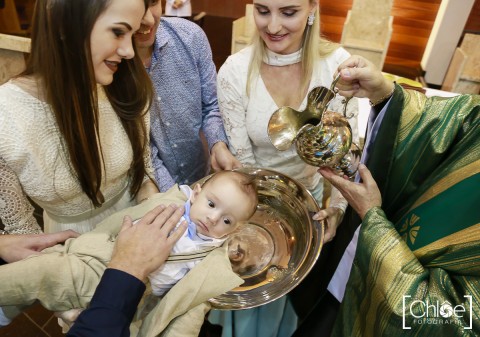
(311, 19)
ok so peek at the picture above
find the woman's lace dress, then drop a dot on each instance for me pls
(33, 162)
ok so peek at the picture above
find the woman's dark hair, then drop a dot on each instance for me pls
(61, 59)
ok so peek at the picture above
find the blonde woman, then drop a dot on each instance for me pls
(286, 60)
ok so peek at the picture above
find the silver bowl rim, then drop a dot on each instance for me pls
(313, 251)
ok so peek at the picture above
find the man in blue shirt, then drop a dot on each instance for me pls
(178, 58)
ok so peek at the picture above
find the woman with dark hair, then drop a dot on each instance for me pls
(74, 124)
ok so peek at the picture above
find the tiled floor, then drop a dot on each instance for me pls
(33, 322)
(39, 322)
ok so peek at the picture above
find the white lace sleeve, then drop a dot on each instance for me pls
(16, 212)
(231, 93)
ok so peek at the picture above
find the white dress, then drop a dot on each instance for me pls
(31, 148)
(246, 118)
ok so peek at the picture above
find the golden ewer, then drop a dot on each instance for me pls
(321, 137)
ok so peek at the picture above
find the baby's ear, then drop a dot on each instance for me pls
(196, 190)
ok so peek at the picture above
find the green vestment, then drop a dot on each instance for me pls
(416, 270)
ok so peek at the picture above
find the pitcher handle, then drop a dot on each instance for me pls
(345, 100)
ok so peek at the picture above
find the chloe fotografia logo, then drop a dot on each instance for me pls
(438, 313)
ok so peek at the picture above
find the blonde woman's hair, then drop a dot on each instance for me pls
(314, 47)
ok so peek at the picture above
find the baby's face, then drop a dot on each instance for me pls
(219, 206)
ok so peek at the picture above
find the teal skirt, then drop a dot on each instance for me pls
(275, 319)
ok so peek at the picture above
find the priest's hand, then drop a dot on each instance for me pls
(360, 78)
(361, 196)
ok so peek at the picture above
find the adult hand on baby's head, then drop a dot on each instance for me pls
(142, 248)
(16, 247)
(222, 159)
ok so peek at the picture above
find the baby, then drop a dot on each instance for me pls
(212, 212)
(65, 276)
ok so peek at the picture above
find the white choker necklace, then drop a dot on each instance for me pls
(281, 60)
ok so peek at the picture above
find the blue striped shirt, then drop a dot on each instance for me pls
(184, 77)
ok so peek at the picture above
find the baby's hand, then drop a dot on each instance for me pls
(67, 318)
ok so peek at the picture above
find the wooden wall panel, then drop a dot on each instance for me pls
(332, 18)
(413, 21)
(412, 24)
(473, 22)
(223, 8)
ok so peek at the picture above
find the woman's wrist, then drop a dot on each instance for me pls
(337, 200)
(341, 212)
(340, 204)
(146, 191)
